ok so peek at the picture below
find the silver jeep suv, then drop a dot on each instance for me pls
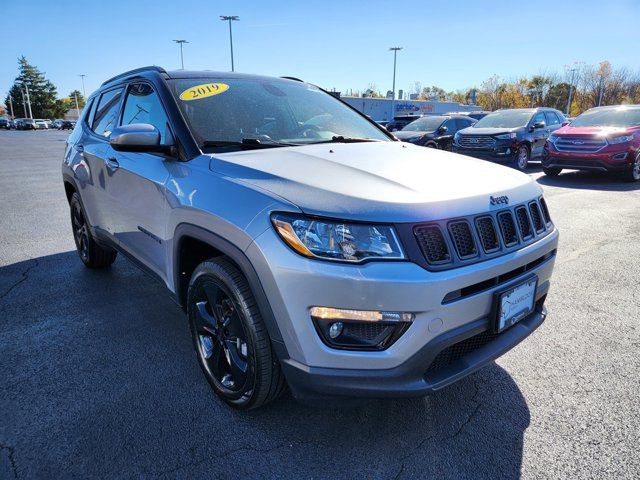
(307, 245)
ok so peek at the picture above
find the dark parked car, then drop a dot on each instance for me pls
(512, 137)
(25, 124)
(602, 139)
(398, 123)
(66, 125)
(5, 123)
(435, 131)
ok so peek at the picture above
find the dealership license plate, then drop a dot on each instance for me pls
(515, 304)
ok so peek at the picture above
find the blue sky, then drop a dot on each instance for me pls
(452, 44)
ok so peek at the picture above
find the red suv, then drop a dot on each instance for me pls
(602, 139)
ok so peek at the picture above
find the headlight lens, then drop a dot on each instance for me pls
(336, 240)
(456, 137)
(506, 136)
(620, 139)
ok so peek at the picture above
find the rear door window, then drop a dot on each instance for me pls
(552, 118)
(106, 115)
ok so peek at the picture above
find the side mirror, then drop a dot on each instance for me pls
(565, 123)
(442, 129)
(538, 125)
(137, 137)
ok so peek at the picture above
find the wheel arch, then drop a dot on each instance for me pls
(192, 245)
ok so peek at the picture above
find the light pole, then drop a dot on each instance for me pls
(11, 107)
(230, 18)
(573, 72)
(77, 108)
(395, 51)
(181, 42)
(28, 103)
(84, 94)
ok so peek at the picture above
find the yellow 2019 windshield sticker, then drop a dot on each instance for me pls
(203, 91)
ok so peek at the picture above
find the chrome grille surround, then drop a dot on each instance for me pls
(579, 144)
(476, 141)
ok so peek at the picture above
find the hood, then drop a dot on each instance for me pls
(489, 130)
(590, 131)
(411, 135)
(376, 181)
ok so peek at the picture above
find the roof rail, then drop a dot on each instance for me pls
(134, 71)
(295, 79)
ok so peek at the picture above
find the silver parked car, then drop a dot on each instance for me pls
(306, 245)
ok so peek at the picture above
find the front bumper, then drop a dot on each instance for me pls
(595, 162)
(501, 152)
(293, 284)
(464, 350)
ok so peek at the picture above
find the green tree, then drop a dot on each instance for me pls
(81, 100)
(42, 93)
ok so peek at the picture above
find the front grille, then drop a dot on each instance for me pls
(487, 233)
(463, 239)
(432, 244)
(449, 243)
(523, 223)
(508, 228)
(455, 352)
(545, 210)
(476, 141)
(536, 217)
(580, 145)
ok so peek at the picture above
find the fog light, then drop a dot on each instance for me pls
(359, 329)
(335, 329)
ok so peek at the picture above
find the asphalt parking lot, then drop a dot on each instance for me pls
(98, 377)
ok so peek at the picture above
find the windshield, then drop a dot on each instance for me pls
(608, 117)
(425, 124)
(506, 119)
(223, 111)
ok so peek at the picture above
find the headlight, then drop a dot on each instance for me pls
(552, 139)
(456, 137)
(337, 240)
(620, 139)
(507, 136)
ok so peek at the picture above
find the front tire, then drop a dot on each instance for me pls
(230, 338)
(552, 171)
(521, 159)
(91, 254)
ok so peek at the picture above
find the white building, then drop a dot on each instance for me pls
(379, 109)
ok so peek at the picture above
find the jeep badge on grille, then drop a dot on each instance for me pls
(499, 200)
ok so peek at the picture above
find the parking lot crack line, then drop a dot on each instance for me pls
(24, 277)
(12, 462)
(469, 419)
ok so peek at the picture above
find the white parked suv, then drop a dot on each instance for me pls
(306, 244)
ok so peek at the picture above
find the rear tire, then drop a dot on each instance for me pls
(230, 338)
(552, 171)
(633, 174)
(91, 254)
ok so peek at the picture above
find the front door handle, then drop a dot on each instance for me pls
(112, 163)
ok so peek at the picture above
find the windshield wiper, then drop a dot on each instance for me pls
(247, 143)
(341, 139)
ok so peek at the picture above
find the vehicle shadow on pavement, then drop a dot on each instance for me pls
(99, 378)
(589, 181)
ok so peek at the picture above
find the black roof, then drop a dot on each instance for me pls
(177, 74)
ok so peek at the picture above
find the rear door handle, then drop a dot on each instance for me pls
(80, 148)
(112, 163)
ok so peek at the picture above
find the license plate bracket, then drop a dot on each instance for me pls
(513, 304)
